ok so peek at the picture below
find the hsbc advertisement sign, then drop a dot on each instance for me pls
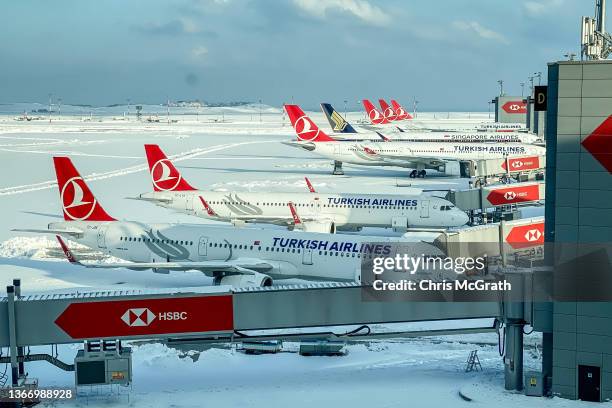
(141, 317)
(522, 163)
(515, 107)
(515, 194)
(524, 236)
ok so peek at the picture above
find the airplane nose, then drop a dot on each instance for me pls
(463, 218)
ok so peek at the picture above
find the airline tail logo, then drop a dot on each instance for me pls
(306, 130)
(375, 116)
(387, 111)
(339, 122)
(400, 111)
(78, 202)
(165, 177)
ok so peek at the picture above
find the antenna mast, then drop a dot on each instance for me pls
(595, 43)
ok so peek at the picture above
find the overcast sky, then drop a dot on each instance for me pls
(447, 53)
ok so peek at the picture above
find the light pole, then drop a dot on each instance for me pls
(259, 110)
(570, 56)
(59, 107)
(345, 102)
(522, 89)
(416, 104)
(501, 87)
(489, 109)
(50, 95)
(539, 75)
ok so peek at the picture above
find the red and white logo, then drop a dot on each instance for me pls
(79, 203)
(533, 235)
(374, 115)
(523, 163)
(515, 107)
(164, 175)
(516, 194)
(305, 129)
(138, 317)
(389, 114)
(523, 236)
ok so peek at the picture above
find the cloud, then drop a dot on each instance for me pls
(482, 32)
(199, 52)
(539, 7)
(176, 27)
(361, 9)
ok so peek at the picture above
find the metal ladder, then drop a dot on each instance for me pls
(473, 362)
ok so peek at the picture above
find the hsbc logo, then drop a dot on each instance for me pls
(533, 235)
(305, 129)
(510, 195)
(142, 317)
(517, 164)
(514, 107)
(139, 317)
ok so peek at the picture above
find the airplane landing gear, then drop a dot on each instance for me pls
(413, 174)
(422, 174)
(338, 168)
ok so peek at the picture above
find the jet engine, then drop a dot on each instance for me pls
(324, 226)
(256, 279)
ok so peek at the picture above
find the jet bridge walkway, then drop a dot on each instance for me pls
(215, 314)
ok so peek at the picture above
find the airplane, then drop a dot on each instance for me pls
(238, 257)
(389, 112)
(341, 127)
(319, 212)
(444, 157)
(402, 114)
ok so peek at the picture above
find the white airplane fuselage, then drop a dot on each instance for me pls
(343, 210)
(410, 154)
(302, 255)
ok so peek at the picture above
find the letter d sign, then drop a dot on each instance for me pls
(540, 97)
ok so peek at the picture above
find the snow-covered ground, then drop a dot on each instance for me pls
(221, 149)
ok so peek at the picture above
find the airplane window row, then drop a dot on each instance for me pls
(287, 250)
(446, 207)
(155, 241)
(326, 205)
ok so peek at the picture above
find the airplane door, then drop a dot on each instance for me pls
(102, 236)
(425, 209)
(336, 148)
(307, 257)
(203, 246)
(189, 203)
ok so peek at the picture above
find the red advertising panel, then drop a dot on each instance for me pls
(523, 163)
(140, 317)
(524, 236)
(515, 194)
(599, 144)
(513, 107)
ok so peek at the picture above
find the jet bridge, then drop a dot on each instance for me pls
(206, 314)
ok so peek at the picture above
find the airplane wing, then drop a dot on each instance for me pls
(235, 266)
(73, 232)
(152, 199)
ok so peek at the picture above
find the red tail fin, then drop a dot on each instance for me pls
(389, 113)
(296, 218)
(304, 127)
(164, 175)
(310, 186)
(401, 113)
(78, 202)
(374, 114)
